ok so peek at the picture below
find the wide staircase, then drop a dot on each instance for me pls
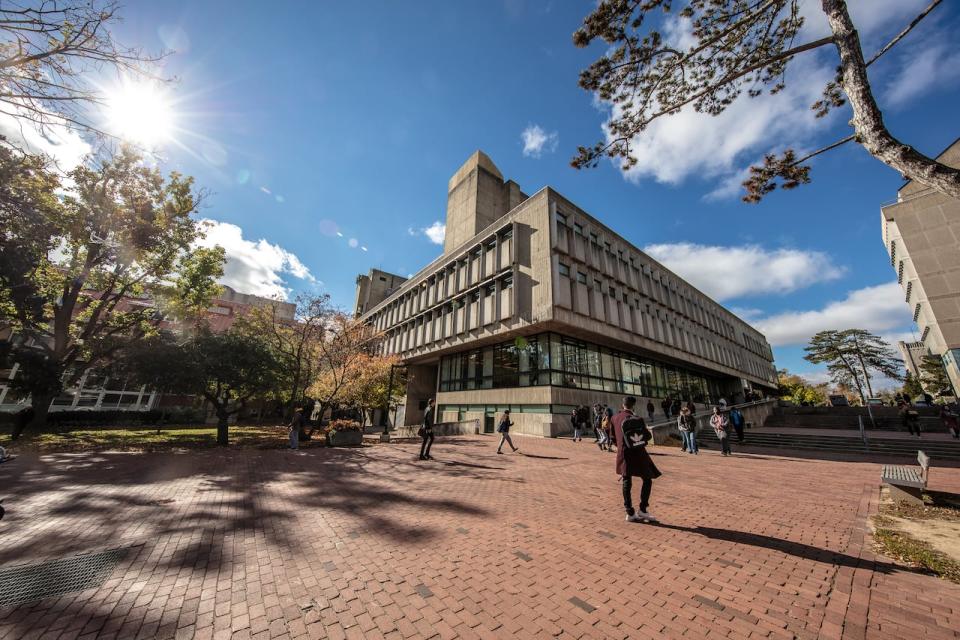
(837, 430)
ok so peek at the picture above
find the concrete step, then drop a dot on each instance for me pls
(841, 444)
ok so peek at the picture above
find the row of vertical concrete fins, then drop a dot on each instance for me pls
(645, 300)
(501, 274)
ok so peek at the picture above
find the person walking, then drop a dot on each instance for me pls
(736, 419)
(608, 427)
(650, 410)
(575, 417)
(721, 426)
(665, 405)
(951, 420)
(296, 426)
(723, 404)
(633, 461)
(675, 407)
(687, 424)
(504, 430)
(598, 415)
(426, 431)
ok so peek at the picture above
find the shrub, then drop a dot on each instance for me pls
(343, 425)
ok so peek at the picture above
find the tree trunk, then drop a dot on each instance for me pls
(867, 120)
(40, 405)
(223, 437)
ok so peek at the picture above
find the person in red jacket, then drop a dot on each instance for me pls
(632, 436)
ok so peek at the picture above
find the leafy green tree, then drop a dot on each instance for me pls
(850, 356)
(82, 272)
(934, 376)
(798, 390)
(735, 46)
(227, 369)
(912, 386)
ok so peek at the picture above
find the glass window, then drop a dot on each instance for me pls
(578, 228)
(594, 239)
(581, 277)
(565, 270)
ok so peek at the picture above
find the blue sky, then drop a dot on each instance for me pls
(311, 120)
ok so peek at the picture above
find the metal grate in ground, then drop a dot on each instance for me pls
(31, 582)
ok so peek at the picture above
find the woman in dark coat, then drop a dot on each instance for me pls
(634, 461)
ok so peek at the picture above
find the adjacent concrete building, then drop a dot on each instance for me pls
(374, 288)
(537, 306)
(921, 232)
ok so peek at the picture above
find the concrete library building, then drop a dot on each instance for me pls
(537, 307)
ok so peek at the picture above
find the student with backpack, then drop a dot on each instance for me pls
(632, 436)
(504, 430)
(736, 419)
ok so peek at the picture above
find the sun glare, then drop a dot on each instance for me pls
(140, 113)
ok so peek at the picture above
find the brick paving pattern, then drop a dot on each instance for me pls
(371, 543)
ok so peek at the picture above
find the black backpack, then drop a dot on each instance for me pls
(635, 433)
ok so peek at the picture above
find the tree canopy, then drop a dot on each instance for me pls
(798, 390)
(227, 369)
(83, 270)
(727, 48)
(934, 376)
(850, 356)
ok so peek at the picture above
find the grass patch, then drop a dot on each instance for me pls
(150, 439)
(913, 552)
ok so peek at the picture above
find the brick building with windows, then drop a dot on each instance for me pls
(96, 390)
(538, 307)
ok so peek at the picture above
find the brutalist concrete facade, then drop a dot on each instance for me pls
(545, 308)
(921, 232)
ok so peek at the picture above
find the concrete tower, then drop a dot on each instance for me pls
(477, 196)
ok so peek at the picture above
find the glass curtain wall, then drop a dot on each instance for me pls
(552, 359)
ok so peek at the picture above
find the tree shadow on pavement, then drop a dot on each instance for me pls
(66, 503)
(797, 549)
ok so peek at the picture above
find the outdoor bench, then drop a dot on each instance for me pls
(907, 483)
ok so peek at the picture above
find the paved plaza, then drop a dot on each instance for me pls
(370, 543)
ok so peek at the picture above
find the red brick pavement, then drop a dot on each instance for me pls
(371, 543)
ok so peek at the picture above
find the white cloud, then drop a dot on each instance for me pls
(879, 309)
(929, 65)
(687, 144)
(63, 145)
(536, 140)
(436, 232)
(255, 267)
(690, 144)
(726, 273)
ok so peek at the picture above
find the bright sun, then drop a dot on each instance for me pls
(140, 112)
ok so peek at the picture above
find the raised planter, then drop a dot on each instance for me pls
(349, 438)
